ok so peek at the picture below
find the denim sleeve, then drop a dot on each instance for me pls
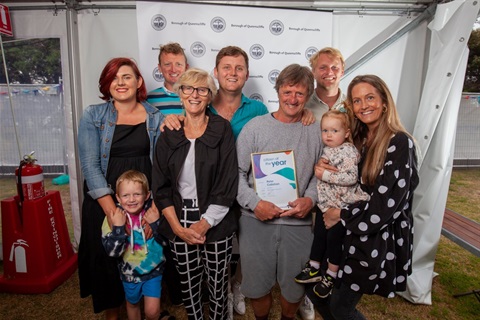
(89, 152)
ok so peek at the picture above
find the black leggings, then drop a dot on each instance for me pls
(327, 243)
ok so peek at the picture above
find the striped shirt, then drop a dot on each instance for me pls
(166, 101)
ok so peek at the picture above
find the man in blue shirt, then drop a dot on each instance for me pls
(172, 63)
(231, 71)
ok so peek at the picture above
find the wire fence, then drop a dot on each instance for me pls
(39, 118)
(467, 139)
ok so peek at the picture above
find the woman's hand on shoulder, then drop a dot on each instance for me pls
(172, 122)
(152, 214)
(118, 217)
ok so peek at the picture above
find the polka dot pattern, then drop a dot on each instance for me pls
(380, 231)
(375, 219)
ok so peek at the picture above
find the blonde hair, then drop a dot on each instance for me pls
(389, 125)
(195, 76)
(344, 118)
(133, 176)
(329, 51)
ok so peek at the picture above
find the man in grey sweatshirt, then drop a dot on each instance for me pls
(274, 242)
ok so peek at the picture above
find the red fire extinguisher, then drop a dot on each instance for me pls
(29, 176)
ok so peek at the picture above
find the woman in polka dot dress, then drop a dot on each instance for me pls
(378, 244)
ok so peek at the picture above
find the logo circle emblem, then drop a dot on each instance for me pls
(310, 52)
(276, 27)
(218, 24)
(257, 51)
(159, 22)
(273, 75)
(256, 96)
(157, 75)
(197, 49)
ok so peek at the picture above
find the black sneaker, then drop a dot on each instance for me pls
(309, 274)
(324, 287)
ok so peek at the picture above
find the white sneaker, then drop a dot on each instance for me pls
(238, 299)
(230, 306)
(307, 312)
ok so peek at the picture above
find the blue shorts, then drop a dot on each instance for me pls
(150, 288)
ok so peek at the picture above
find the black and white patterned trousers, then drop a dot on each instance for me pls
(197, 262)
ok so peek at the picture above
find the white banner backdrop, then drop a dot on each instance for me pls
(271, 38)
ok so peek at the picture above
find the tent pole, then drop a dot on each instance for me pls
(75, 90)
(10, 99)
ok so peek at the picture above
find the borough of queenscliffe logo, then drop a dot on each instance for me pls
(218, 24)
(197, 49)
(310, 52)
(159, 22)
(256, 96)
(257, 52)
(273, 75)
(157, 75)
(276, 27)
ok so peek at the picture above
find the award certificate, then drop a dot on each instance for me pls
(274, 177)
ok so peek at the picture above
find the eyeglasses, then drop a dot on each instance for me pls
(202, 91)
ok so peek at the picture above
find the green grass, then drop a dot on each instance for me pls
(464, 193)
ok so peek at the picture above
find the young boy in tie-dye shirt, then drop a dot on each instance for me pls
(142, 260)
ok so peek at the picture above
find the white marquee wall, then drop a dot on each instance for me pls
(404, 65)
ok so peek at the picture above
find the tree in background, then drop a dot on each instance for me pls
(32, 61)
(472, 76)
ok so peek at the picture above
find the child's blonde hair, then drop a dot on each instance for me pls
(134, 176)
(342, 115)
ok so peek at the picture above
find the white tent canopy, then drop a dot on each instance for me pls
(418, 47)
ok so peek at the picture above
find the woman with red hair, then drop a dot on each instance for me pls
(113, 137)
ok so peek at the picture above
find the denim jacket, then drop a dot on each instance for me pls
(95, 134)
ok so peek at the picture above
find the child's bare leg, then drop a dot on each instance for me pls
(332, 269)
(152, 308)
(112, 314)
(133, 311)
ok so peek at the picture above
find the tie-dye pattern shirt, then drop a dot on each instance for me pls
(141, 261)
